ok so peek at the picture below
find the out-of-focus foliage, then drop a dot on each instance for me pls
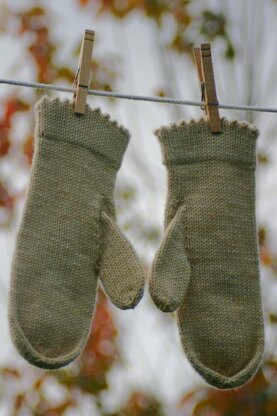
(187, 24)
(258, 397)
(7, 201)
(27, 390)
(268, 259)
(10, 107)
(140, 404)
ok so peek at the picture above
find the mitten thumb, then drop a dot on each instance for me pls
(120, 271)
(170, 273)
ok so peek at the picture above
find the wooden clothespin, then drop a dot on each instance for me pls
(203, 59)
(82, 78)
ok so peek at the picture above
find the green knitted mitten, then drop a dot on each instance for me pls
(68, 236)
(207, 265)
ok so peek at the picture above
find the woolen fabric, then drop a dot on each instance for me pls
(68, 236)
(207, 266)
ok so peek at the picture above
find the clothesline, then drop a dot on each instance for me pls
(167, 100)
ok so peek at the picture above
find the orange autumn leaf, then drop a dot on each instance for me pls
(10, 372)
(43, 408)
(141, 404)
(265, 256)
(100, 352)
(19, 400)
(28, 149)
(6, 200)
(29, 18)
(250, 399)
(4, 139)
(12, 105)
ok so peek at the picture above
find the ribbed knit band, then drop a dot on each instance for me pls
(93, 130)
(193, 141)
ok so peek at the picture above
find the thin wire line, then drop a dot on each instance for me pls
(167, 100)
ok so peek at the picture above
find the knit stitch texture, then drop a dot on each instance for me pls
(68, 236)
(207, 265)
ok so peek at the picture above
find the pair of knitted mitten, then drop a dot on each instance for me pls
(206, 267)
(207, 264)
(68, 236)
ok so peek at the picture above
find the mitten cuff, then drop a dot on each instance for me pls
(186, 142)
(56, 120)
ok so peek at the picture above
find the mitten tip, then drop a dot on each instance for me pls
(35, 357)
(222, 379)
(129, 302)
(163, 300)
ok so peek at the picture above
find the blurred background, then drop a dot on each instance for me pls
(133, 364)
